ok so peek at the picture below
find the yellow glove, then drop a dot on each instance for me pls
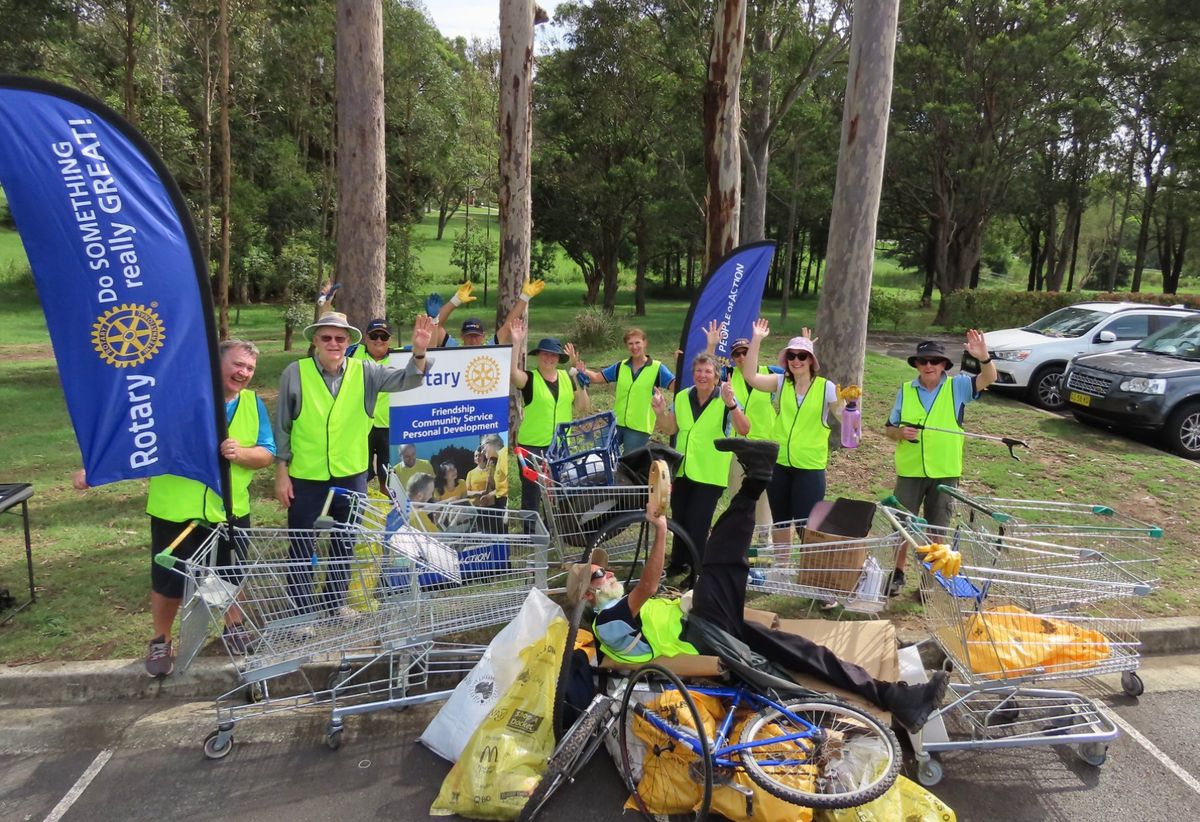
(851, 393)
(531, 289)
(463, 294)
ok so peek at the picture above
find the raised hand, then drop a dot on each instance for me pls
(520, 331)
(463, 295)
(422, 333)
(569, 350)
(532, 288)
(761, 328)
(727, 393)
(659, 402)
(976, 345)
(712, 333)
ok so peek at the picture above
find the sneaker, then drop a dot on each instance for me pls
(911, 705)
(159, 660)
(236, 639)
(897, 583)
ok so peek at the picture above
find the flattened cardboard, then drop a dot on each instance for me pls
(870, 644)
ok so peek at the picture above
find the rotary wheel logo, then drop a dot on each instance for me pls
(482, 375)
(128, 335)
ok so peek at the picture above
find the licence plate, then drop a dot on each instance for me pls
(1079, 399)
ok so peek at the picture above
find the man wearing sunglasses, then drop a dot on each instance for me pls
(926, 459)
(326, 406)
(634, 628)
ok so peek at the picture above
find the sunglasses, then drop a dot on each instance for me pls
(928, 360)
(797, 355)
(741, 352)
(335, 338)
(599, 574)
(379, 336)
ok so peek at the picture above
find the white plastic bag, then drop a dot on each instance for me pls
(447, 734)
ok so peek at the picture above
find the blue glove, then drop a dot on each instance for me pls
(583, 379)
(433, 305)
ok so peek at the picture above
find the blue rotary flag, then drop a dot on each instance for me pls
(122, 283)
(731, 294)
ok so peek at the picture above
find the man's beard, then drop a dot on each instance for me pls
(608, 593)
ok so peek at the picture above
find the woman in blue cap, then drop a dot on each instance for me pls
(551, 396)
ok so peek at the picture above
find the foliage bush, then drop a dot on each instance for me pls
(887, 307)
(592, 329)
(991, 309)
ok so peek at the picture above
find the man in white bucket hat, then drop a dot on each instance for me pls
(326, 405)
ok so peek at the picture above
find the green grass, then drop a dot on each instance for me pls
(91, 549)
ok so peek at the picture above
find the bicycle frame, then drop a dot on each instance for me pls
(720, 752)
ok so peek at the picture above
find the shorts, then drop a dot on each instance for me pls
(170, 583)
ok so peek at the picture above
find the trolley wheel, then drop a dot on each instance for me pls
(684, 720)
(1132, 684)
(218, 744)
(257, 692)
(337, 676)
(334, 738)
(628, 540)
(826, 730)
(929, 772)
(1093, 753)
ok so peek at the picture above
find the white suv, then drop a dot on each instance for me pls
(1032, 359)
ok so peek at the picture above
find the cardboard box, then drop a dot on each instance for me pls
(684, 665)
(870, 644)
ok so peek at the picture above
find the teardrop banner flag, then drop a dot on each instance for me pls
(122, 282)
(731, 294)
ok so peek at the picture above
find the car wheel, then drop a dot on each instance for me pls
(1045, 389)
(1183, 431)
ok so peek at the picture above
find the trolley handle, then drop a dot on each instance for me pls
(966, 499)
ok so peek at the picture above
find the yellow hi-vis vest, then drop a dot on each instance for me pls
(702, 462)
(662, 626)
(802, 434)
(177, 499)
(329, 438)
(544, 414)
(933, 454)
(756, 404)
(383, 411)
(632, 403)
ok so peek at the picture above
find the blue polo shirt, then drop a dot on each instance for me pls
(963, 386)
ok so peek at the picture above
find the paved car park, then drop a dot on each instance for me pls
(141, 760)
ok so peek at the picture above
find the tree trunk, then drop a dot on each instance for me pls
(722, 129)
(642, 239)
(1139, 260)
(1035, 255)
(127, 88)
(362, 208)
(1074, 248)
(785, 287)
(1110, 282)
(516, 140)
(758, 142)
(1171, 277)
(850, 250)
(226, 170)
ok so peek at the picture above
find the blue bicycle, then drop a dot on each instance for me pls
(806, 748)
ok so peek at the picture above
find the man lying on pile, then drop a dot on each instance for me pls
(635, 627)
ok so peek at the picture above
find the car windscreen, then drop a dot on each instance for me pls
(1071, 321)
(1182, 339)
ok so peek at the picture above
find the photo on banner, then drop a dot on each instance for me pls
(462, 401)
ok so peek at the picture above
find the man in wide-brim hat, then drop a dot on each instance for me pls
(326, 405)
(926, 459)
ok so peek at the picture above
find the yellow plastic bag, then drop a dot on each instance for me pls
(1007, 641)
(364, 577)
(906, 801)
(665, 785)
(507, 754)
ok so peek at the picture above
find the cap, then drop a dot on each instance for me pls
(740, 342)
(472, 325)
(378, 325)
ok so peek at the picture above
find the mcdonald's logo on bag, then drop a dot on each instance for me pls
(490, 754)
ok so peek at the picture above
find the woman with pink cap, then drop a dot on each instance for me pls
(806, 401)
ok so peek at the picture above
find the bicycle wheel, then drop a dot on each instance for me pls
(564, 670)
(673, 780)
(628, 540)
(578, 746)
(848, 759)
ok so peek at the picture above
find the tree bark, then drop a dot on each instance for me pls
(226, 171)
(850, 249)
(127, 87)
(785, 287)
(362, 210)
(722, 130)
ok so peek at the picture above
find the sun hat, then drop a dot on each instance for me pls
(929, 349)
(551, 346)
(797, 344)
(334, 319)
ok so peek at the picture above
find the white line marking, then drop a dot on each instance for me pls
(80, 786)
(1156, 752)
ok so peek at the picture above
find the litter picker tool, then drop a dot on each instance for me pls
(1011, 442)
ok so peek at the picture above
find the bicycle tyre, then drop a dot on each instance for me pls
(628, 538)
(647, 673)
(829, 716)
(567, 757)
(564, 667)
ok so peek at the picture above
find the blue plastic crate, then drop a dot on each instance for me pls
(584, 451)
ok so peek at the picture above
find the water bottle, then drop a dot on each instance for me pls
(851, 425)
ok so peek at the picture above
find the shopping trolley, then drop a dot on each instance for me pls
(842, 554)
(376, 600)
(1094, 529)
(1015, 615)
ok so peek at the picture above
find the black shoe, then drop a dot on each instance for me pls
(756, 456)
(897, 583)
(911, 705)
